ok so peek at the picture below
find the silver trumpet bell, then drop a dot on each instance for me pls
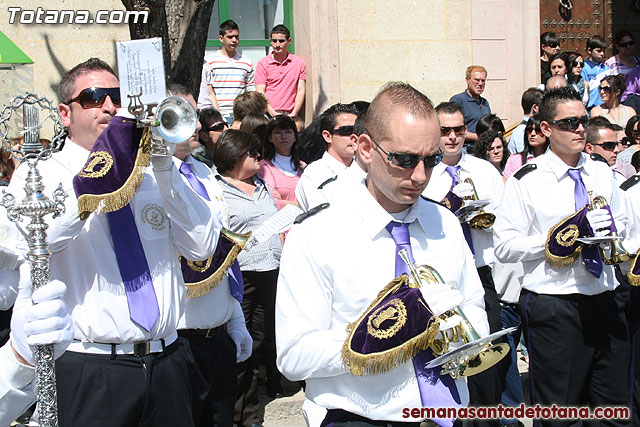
(176, 119)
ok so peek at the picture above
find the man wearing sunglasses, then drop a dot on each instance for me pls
(449, 176)
(212, 126)
(336, 127)
(345, 254)
(125, 293)
(576, 334)
(601, 140)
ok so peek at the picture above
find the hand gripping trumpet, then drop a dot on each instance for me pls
(617, 253)
(481, 220)
(476, 354)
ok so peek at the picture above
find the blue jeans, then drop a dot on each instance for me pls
(512, 394)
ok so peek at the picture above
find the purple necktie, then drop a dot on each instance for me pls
(134, 269)
(466, 230)
(194, 182)
(590, 254)
(236, 283)
(436, 391)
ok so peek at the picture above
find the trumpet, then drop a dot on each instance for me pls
(617, 253)
(171, 121)
(481, 220)
(476, 354)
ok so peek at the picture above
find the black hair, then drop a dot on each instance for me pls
(281, 121)
(449, 107)
(562, 56)
(485, 141)
(231, 147)
(281, 29)
(549, 39)
(330, 115)
(549, 105)
(489, 122)
(596, 42)
(594, 126)
(228, 25)
(532, 123)
(530, 97)
(628, 130)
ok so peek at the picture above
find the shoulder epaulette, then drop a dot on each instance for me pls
(630, 182)
(310, 212)
(333, 178)
(529, 167)
(597, 157)
(434, 201)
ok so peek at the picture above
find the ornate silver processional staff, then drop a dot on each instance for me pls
(35, 206)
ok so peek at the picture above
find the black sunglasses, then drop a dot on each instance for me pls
(570, 123)
(607, 145)
(343, 130)
(409, 161)
(216, 128)
(627, 44)
(577, 64)
(458, 130)
(94, 97)
(605, 89)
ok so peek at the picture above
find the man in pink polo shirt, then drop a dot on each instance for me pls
(281, 76)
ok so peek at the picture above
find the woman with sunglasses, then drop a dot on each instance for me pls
(535, 143)
(280, 166)
(492, 147)
(624, 61)
(632, 131)
(250, 204)
(574, 76)
(611, 88)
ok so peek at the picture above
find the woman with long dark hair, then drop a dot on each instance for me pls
(611, 88)
(492, 147)
(280, 166)
(535, 143)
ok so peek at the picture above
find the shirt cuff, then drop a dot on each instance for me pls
(16, 375)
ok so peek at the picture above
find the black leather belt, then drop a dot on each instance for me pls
(207, 333)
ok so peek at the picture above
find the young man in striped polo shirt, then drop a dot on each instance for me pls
(231, 71)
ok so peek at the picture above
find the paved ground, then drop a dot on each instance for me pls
(287, 411)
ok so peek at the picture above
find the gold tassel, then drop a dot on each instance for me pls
(380, 362)
(634, 279)
(111, 202)
(203, 287)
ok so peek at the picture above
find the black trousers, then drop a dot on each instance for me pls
(579, 352)
(212, 370)
(485, 388)
(5, 323)
(258, 305)
(147, 391)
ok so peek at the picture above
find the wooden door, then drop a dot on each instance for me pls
(575, 21)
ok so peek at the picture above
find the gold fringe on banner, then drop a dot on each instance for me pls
(383, 361)
(111, 202)
(563, 261)
(203, 287)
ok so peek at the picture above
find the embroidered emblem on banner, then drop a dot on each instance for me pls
(155, 216)
(395, 312)
(200, 266)
(568, 235)
(98, 164)
(446, 203)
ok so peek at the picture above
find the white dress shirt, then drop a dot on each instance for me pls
(17, 392)
(538, 201)
(170, 217)
(489, 186)
(632, 240)
(315, 174)
(343, 184)
(333, 266)
(216, 307)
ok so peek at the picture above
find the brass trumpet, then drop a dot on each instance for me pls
(482, 219)
(617, 253)
(476, 354)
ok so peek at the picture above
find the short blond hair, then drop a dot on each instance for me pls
(472, 68)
